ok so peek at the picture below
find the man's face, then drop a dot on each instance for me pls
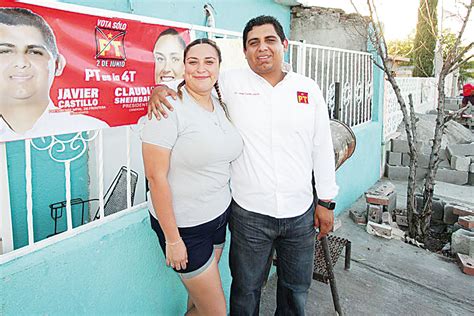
(26, 67)
(169, 64)
(264, 51)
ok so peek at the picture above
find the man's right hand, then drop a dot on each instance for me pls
(158, 102)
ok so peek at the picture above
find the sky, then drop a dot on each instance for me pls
(400, 16)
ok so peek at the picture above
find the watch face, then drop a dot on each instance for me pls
(328, 205)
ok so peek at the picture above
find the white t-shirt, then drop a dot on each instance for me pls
(286, 136)
(53, 124)
(202, 145)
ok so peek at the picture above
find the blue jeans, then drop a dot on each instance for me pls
(253, 238)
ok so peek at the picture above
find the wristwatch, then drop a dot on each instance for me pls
(329, 205)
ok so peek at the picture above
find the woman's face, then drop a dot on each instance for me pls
(201, 68)
(168, 54)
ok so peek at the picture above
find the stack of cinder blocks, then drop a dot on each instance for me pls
(461, 158)
(381, 211)
(456, 166)
(462, 239)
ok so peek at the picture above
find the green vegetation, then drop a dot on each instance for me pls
(425, 38)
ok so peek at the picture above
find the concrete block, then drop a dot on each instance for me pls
(460, 241)
(462, 210)
(397, 233)
(401, 173)
(400, 146)
(400, 211)
(402, 220)
(460, 163)
(392, 203)
(374, 213)
(471, 167)
(405, 160)
(358, 217)
(452, 176)
(460, 149)
(380, 230)
(394, 159)
(448, 215)
(466, 264)
(387, 200)
(437, 209)
(472, 159)
(387, 218)
(444, 164)
(470, 178)
(384, 188)
(457, 227)
(423, 160)
(467, 222)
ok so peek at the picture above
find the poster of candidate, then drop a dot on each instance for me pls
(64, 71)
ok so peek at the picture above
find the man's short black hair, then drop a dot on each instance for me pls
(262, 20)
(21, 16)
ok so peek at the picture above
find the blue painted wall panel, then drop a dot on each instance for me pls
(362, 170)
(48, 183)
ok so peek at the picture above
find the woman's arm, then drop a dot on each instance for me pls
(157, 161)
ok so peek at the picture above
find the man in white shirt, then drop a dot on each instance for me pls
(29, 62)
(284, 122)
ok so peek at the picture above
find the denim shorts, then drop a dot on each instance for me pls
(200, 241)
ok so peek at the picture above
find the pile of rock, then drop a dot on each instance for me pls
(462, 239)
(456, 166)
(383, 219)
(457, 151)
(381, 215)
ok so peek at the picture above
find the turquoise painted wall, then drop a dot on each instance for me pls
(361, 171)
(48, 183)
(114, 269)
(230, 14)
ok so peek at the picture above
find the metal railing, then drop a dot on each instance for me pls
(344, 76)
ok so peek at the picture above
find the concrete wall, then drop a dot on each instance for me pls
(328, 27)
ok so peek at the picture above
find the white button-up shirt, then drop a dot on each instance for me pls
(286, 136)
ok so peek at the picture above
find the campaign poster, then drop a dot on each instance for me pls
(65, 71)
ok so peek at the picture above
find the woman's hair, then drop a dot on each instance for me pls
(173, 32)
(216, 85)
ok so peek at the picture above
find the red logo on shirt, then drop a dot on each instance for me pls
(302, 97)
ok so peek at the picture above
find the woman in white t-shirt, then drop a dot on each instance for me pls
(187, 163)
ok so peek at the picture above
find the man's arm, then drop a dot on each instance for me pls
(323, 166)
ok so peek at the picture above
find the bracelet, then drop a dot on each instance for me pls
(174, 243)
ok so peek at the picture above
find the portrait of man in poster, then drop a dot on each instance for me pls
(29, 62)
